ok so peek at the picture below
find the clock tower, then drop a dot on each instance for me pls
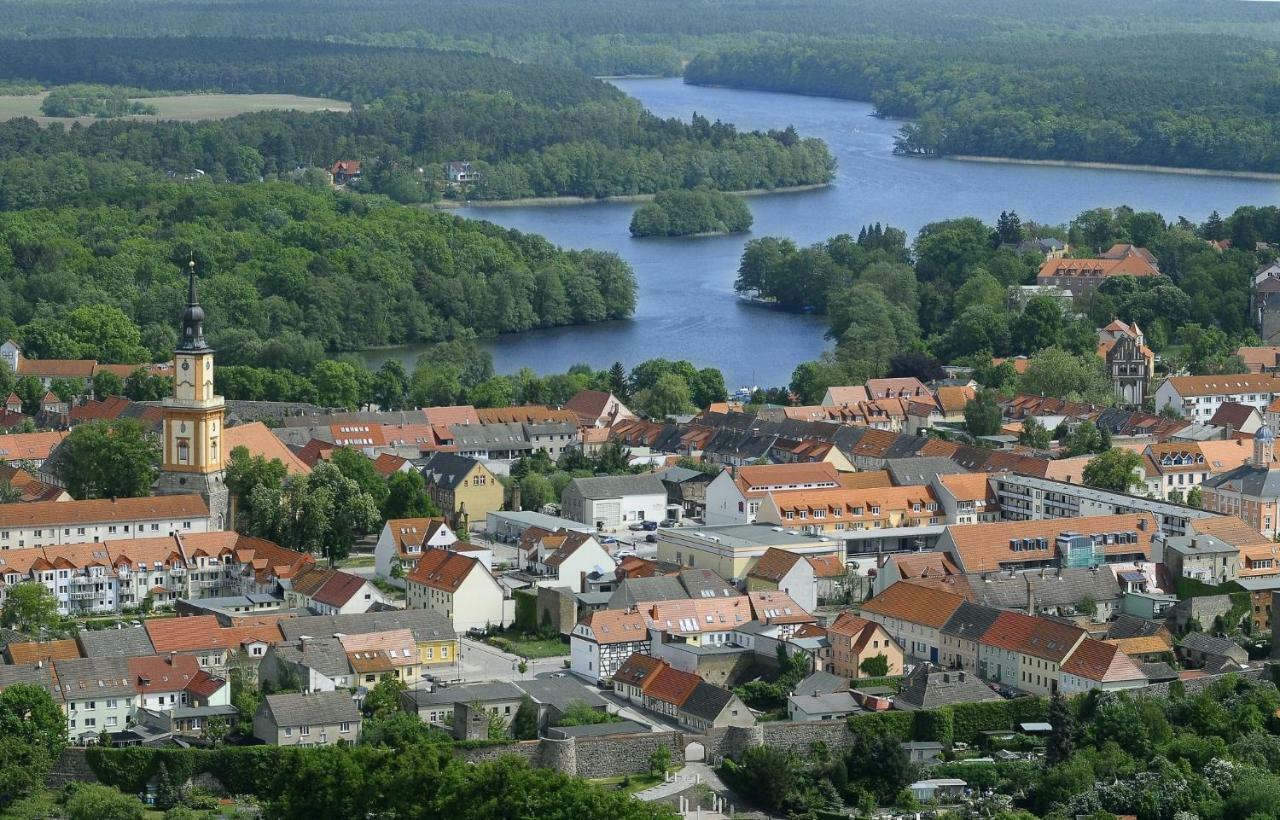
(193, 416)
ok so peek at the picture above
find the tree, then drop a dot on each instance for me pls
(324, 512)
(579, 713)
(876, 666)
(106, 383)
(359, 468)
(982, 415)
(1009, 228)
(407, 497)
(391, 386)
(30, 608)
(1062, 735)
(91, 801)
(536, 492)
(660, 761)
(216, 729)
(618, 381)
(33, 731)
(1055, 372)
(1034, 435)
(1195, 498)
(669, 395)
(877, 762)
(1085, 439)
(384, 698)
(337, 384)
(1115, 470)
(524, 726)
(914, 363)
(108, 460)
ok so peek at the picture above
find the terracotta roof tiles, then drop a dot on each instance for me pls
(914, 604)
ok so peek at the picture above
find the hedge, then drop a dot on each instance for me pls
(933, 725)
(961, 721)
(898, 724)
(526, 619)
(242, 771)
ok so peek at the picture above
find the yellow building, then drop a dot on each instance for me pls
(463, 488)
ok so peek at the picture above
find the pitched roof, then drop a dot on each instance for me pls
(591, 404)
(616, 626)
(767, 476)
(1233, 414)
(671, 685)
(425, 624)
(774, 607)
(635, 591)
(57, 368)
(1145, 645)
(19, 516)
(447, 469)
(32, 651)
(616, 486)
(1230, 529)
(986, 547)
(190, 634)
(443, 569)
(162, 674)
(970, 621)
(774, 565)
(826, 566)
(695, 615)
(1038, 637)
(848, 394)
(1101, 662)
(29, 446)
(1131, 626)
(258, 439)
(638, 669)
(914, 604)
(1186, 386)
(706, 701)
(313, 709)
(324, 655)
(1209, 644)
(1102, 267)
(133, 641)
(968, 486)
(929, 688)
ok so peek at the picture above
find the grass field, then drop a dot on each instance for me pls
(189, 107)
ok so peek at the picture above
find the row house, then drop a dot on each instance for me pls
(1036, 544)
(327, 591)
(436, 639)
(54, 523)
(806, 578)
(829, 511)
(853, 640)
(603, 639)
(1173, 469)
(734, 497)
(1197, 398)
(914, 616)
(945, 407)
(658, 687)
(1252, 490)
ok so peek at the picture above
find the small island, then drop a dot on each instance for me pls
(691, 213)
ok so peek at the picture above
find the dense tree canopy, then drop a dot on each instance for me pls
(686, 213)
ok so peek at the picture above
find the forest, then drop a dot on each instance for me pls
(895, 309)
(281, 266)
(691, 213)
(528, 130)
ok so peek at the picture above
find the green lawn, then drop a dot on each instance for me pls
(190, 107)
(528, 647)
(637, 783)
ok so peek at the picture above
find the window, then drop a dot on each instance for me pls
(304, 730)
(288, 731)
(90, 722)
(111, 703)
(112, 721)
(344, 727)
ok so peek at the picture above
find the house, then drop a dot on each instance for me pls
(698, 621)
(613, 502)
(847, 394)
(130, 642)
(791, 573)
(457, 587)
(173, 682)
(20, 652)
(1197, 398)
(460, 173)
(778, 609)
(402, 540)
(1203, 651)
(97, 695)
(966, 498)
(313, 664)
(1026, 652)
(1081, 276)
(51, 523)
(602, 640)
(328, 591)
(1203, 558)
(913, 616)
(435, 636)
(908, 387)
(686, 490)
(1252, 490)
(199, 636)
(307, 719)
(465, 489)
(806, 706)
(735, 497)
(1099, 665)
(345, 171)
(563, 558)
(596, 408)
(1032, 544)
(928, 688)
(655, 685)
(30, 449)
(939, 788)
(854, 640)
(1237, 418)
(840, 510)
(375, 656)
(961, 634)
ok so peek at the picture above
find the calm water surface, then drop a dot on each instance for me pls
(686, 307)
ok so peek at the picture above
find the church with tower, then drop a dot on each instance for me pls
(192, 460)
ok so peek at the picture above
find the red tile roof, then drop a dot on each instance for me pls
(774, 564)
(774, 607)
(671, 685)
(914, 604)
(442, 569)
(18, 516)
(616, 626)
(32, 651)
(1038, 637)
(190, 634)
(1101, 662)
(638, 669)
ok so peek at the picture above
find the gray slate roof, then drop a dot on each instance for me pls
(927, 688)
(314, 709)
(79, 678)
(425, 624)
(625, 727)
(1250, 480)
(970, 621)
(707, 701)
(560, 692)
(1058, 587)
(131, 642)
(705, 583)
(27, 673)
(1210, 644)
(906, 471)
(638, 590)
(466, 693)
(1199, 545)
(616, 486)
(833, 702)
(445, 469)
(824, 683)
(1131, 626)
(324, 655)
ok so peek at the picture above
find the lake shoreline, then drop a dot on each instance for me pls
(1264, 176)
(553, 201)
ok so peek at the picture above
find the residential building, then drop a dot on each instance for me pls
(596, 408)
(603, 639)
(613, 502)
(402, 540)
(1058, 591)
(458, 587)
(1035, 544)
(927, 688)
(961, 634)
(908, 387)
(1202, 558)
(1211, 652)
(778, 609)
(1098, 665)
(20, 652)
(854, 640)
(734, 497)
(686, 490)
(1025, 652)
(54, 523)
(375, 656)
(1251, 491)
(464, 488)
(803, 706)
(698, 621)
(96, 694)
(327, 591)
(174, 682)
(834, 511)
(966, 498)
(1026, 498)
(655, 685)
(1198, 398)
(1236, 419)
(434, 634)
(1081, 276)
(313, 664)
(848, 394)
(563, 558)
(30, 449)
(913, 616)
(308, 719)
(788, 572)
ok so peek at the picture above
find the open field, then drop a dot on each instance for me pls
(189, 107)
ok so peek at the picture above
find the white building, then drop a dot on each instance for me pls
(458, 587)
(1198, 398)
(402, 541)
(563, 559)
(734, 497)
(53, 523)
(602, 640)
(613, 502)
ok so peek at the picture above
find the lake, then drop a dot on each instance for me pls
(686, 307)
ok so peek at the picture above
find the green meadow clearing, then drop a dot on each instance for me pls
(190, 107)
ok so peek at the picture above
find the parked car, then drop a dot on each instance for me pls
(608, 540)
(638, 526)
(625, 554)
(668, 522)
(652, 538)
(648, 525)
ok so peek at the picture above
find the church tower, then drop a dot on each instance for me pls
(193, 455)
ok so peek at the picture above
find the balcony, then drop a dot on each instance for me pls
(86, 580)
(85, 596)
(177, 570)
